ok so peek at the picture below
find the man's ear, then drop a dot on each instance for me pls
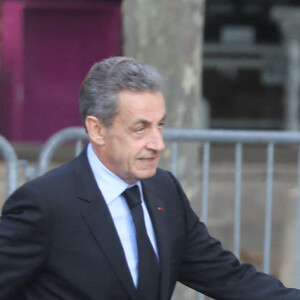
(95, 130)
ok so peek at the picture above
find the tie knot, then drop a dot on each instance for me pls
(132, 196)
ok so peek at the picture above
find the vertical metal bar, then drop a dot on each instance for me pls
(11, 161)
(205, 182)
(78, 147)
(174, 158)
(297, 271)
(269, 202)
(238, 193)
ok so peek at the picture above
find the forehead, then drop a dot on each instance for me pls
(146, 102)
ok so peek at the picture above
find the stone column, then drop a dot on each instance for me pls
(288, 19)
(168, 34)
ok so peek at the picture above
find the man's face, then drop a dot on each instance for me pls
(133, 144)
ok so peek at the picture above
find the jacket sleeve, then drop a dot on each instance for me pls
(206, 267)
(23, 242)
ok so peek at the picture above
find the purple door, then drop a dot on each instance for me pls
(47, 49)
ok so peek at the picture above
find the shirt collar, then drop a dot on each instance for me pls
(110, 184)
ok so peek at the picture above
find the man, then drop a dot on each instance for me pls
(76, 232)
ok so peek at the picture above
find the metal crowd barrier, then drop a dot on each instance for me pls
(55, 141)
(11, 161)
(239, 139)
(206, 138)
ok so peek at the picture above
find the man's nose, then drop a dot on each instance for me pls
(156, 141)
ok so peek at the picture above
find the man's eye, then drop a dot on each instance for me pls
(162, 124)
(140, 130)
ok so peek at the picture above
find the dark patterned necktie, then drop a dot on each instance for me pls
(148, 266)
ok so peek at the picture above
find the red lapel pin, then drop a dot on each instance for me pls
(159, 208)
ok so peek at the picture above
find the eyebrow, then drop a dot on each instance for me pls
(146, 122)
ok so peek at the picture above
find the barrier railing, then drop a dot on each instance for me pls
(61, 137)
(11, 162)
(239, 139)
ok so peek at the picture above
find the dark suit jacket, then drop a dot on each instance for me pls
(58, 241)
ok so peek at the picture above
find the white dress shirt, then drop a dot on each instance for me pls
(112, 187)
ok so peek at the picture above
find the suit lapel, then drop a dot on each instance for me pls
(98, 219)
(155, 206)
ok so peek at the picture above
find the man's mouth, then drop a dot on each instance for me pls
(149, 160)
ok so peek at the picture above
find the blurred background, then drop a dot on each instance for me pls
(247, 58)
(246, 64)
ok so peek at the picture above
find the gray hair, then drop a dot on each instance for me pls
(98, 95)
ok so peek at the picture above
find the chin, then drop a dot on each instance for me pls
(148, 174)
